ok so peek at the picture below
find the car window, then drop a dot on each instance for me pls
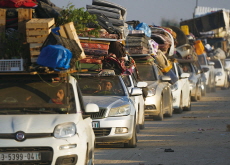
(127, 81)
(202, 60)
(146, 72)
(187, 68)
(41, 92)
(100, 86)
(217, 64)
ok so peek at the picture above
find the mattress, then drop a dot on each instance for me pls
(137, 50)
(109, 9)
(96, 52)
(110, 4)
(106, 13)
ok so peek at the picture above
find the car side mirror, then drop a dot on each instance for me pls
(211, 63)
(185, 75)
(166, 79)
(142, 84)
(136, 92)
(91, 108)
(205, 69)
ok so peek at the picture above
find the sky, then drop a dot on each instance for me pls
(152, 12)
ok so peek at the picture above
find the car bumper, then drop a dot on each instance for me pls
(176, 98)
(151, 104)
(50, 149)
(219, 81)
(110, 125)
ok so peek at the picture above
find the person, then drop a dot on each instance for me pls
(185, 68)
(106, 88)
(59, 98)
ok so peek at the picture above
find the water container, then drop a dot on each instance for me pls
(185, 29)
(199, 47)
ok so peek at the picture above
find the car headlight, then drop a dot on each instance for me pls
(174, 87)
(219, 74)
(151, 92)
(120, 111)
(65, 130)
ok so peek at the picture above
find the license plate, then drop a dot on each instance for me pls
(96, 124)
(20, 156)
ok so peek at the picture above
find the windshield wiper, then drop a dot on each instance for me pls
(45, 111)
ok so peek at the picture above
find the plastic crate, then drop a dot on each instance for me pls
(11, 65)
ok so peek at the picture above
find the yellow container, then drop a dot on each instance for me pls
(199, 47)
(185, 29)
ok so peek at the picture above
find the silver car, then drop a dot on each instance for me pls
(158, 102)
(116, 120)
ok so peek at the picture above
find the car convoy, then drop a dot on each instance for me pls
(56, 115)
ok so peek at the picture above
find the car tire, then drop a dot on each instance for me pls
(203, 92)
(132, 143)
(180, 109)
(170, 113)
(189, 106)
(137, 127)
(160, 116)
(142, 125)
(89, 160)
(226, 84)
(199, 94)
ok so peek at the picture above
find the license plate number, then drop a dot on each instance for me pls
(96, 124)
(25, 156)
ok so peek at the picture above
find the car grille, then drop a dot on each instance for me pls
(47, 155)
(99, 115)
(101, 131)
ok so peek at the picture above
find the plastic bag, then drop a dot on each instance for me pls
(144, 27)
(55, 56)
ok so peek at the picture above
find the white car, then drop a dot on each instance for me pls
(158, 102)
(209, 74)
(116, 121)
(181, 90)
(221, 75)
(40, 124)
(131, 82)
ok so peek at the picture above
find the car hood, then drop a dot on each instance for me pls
(106, 101)
(34, 123)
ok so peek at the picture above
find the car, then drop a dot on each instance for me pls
(194, 78)
(227, 68)
(116, 121)
(158, 102)
(181, 90)
(44, 121)
(131, 82)
(221, 75)
(202, 71)
(210, 73)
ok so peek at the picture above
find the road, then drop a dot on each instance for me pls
(197, 137)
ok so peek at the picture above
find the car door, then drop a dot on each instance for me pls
(166, 90)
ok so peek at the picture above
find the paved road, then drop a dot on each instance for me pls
(197, 137)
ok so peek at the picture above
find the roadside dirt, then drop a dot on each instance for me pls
(197, 137)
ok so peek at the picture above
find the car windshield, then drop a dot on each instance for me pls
(35, 94)
(217, 64)
(202, 60)
(146, 72)
(101, 85)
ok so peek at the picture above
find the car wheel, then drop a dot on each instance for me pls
(89, 160)
(137, 127)
(226, 85)
(209, 87)
(132, 143)
(188, 107)
(199, 94)
(170, 113)
(142, 125)
(203, 92)
(160, 116)
(180, 109)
